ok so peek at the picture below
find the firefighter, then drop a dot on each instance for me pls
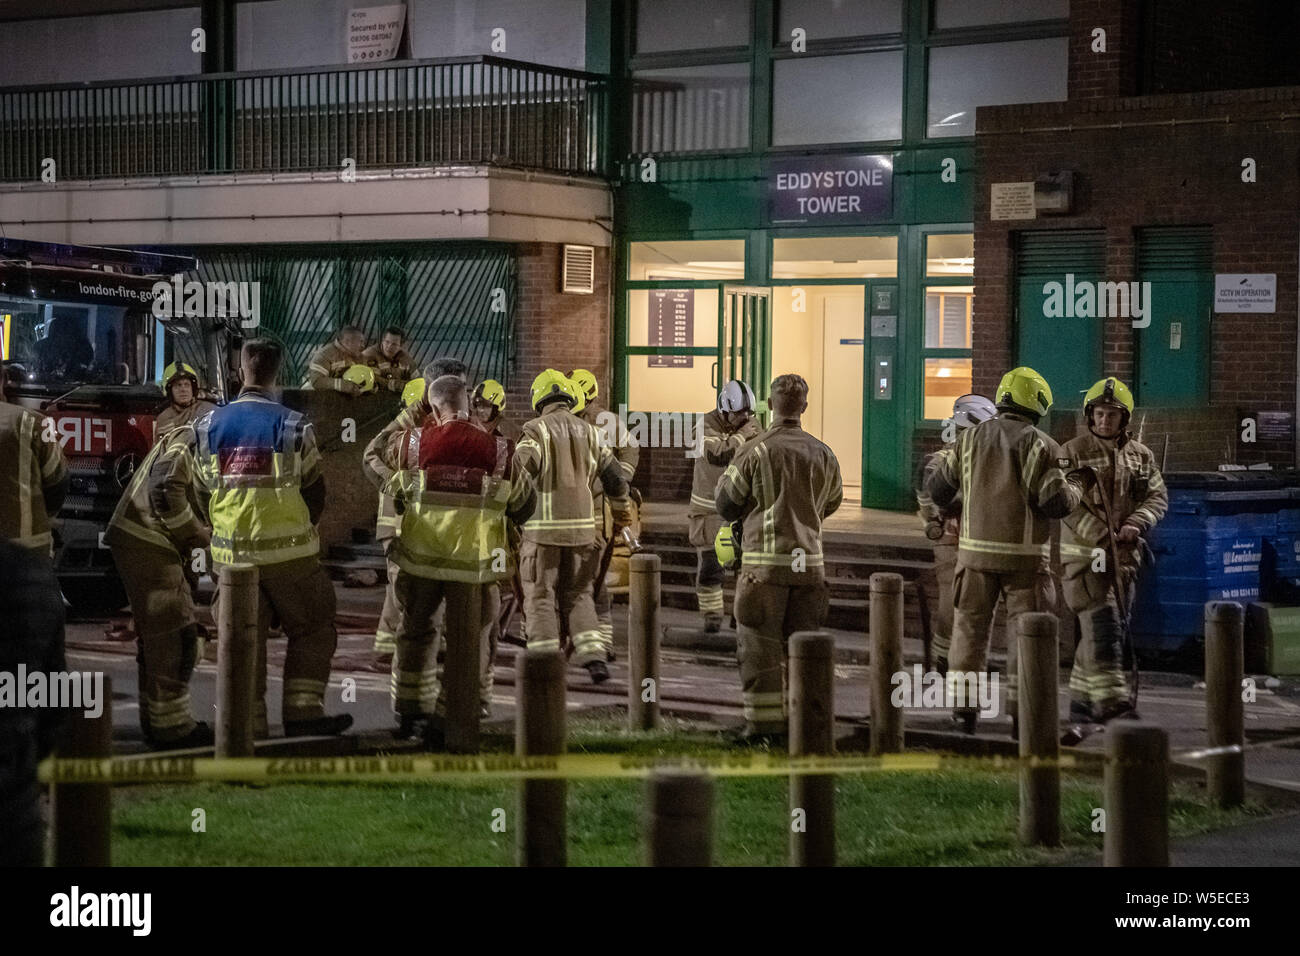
(615, 436)
(331, 362)
(783, 484)
(258, 462)
(487, 405)
(557, 565)
(1011, 478)
(725, 430)
(1135, 499)
(942, 525)
(457, 487)
(33, 474)
(388, 357)
(153, 533)
(181, 386)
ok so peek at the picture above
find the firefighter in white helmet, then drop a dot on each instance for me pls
(941, 524)
(725, 430)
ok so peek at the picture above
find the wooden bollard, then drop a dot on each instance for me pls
(1040, 787)
(237, 610)
(680, 811)
(540, 730)
(1136, 795)
(1225, 719)
(82, 813)
(643, 642)
(461, 673)
(886, 627)
(812, 731)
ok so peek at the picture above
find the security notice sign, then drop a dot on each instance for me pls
(1235, 292)
(1012, 201)
(374, 33)
(830, 189)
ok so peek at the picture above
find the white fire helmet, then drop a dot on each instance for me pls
(736, 396)
(971, 410)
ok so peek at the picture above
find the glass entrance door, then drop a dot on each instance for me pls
(745, 342)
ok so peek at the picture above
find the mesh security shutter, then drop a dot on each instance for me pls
(453, 299)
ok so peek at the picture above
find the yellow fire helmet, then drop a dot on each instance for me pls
(362, 376)
(179, 370)
(553, 385)
(724, 546)
(586, 383)
(492, 392)
(579, 400)
(413, 392)
(1023, 389)
(1109, 391)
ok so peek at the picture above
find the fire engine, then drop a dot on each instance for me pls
(79, 321)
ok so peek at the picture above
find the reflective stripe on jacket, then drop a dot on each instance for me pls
(614, 436)
(787, 483)
(458, 484)
(1011, 478)
(326, 366)
(719, 447)
(160, 507)
(28, 465)
(375, 467)
(254, 456)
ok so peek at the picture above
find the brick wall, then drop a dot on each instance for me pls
(1199, 45)
(1157, 161)
(1115, 71)
(554, 329)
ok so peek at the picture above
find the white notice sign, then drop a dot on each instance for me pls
(1236, 292)
(374, 33)
(1012, 201)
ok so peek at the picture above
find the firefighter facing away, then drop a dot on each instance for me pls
(614, 435)
(181, 386)
(457, 487)
(783, 484)
(565, 456)
(726, 429)
(1131, 491)
(943, 524)
(260, 472)
(1012, 479)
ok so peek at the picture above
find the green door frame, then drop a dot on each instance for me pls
(745, 341)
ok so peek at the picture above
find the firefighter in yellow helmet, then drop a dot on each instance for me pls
(328, 366)
(565, 457)
(260, 468)
(1131, 491)
(180, 383)
(459, 488)
(1012, 479)
(615, 436)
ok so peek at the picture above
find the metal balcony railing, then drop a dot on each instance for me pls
(464, 110)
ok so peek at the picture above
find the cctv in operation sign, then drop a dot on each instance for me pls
(830, 190)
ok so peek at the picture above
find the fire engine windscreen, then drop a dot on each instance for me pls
(66, 344)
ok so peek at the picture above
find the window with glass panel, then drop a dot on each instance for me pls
(835, 257)
(949, 304)
(686, 259)
(850, 98)
(991, 74)
(949, 14)
(664, 26)
(691, 108)
(824, 19)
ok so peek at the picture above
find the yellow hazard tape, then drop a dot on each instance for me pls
(436, 768)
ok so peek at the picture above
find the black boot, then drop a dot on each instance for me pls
(598, 671)
(411, 726)
(200, 736)
(325, 726)
(964, 721)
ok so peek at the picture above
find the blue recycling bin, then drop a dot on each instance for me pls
(1210, 547)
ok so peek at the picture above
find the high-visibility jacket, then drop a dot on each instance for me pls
(160, 507)
(784, 483)
(719, 448)
(377, 469)
(1127, 468)
(30, 467)
(615, 436)
(400, 368)
(326, 366)
(255, 457)
(459, 485)
(172, 417)
(1011, 478)
(563, 454)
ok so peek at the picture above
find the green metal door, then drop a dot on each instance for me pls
(889, 404)
(745, 342)
(1058, 314)
(1173, 336)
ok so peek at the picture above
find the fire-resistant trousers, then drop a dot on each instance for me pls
(945, 567)
(766, 615)
(557, 582)
(975, 595)
(163, 608)
(1097, 679)
(709, 574)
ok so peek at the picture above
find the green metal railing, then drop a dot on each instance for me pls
(464, 110)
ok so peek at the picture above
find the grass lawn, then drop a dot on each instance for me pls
(952, 818)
